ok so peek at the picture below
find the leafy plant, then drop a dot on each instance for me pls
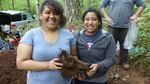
(141, 50)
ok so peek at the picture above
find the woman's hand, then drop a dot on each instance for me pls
(80, 76)
(55, 64)
(93, 70)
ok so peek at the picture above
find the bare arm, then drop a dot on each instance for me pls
(137, 13)
(24, 60)
(108, 19)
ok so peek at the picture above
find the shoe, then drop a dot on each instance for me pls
(126, 66)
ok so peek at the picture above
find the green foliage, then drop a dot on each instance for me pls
(144, 29)
(141, 50)
(19, 5)
(86, 4)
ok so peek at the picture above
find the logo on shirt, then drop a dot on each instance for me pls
(89, 45)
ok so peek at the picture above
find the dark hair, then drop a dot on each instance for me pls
(57, 8)
(92, 9)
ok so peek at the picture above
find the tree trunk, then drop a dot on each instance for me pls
(37, 6)
(13, 5)
(29, 5)
(73, 9)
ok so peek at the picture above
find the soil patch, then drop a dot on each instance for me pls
(117, 75)
(9, 74)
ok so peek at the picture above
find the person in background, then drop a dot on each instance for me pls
(120, 12)
(39, 48)
(16, 39)
(95, 47)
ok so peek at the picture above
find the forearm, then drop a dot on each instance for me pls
(105, 64)
(33, 65)
(139, 11)
(102, 10)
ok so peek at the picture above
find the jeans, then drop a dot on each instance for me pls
(119, 35)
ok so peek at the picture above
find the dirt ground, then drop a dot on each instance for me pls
(9, 74)
(117, 75)
(135, 75)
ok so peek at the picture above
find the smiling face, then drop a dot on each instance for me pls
(50, 19)
(91, 23)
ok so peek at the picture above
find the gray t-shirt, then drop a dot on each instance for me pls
(121, 10)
